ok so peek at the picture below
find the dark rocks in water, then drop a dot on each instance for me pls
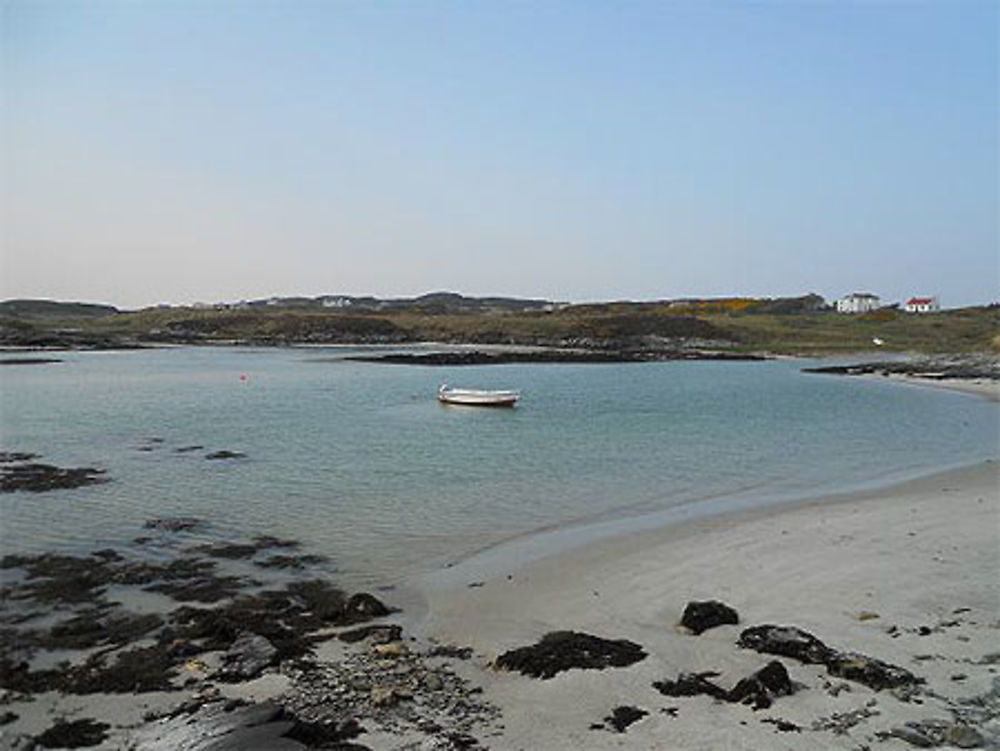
(41, 478)
(622, 717)
(479, 357)
(175, 524)
(247, 657)
(267, 541)
(692, 684)
(762, 687)
(8, 457)
(135, 671)
(701, 616)
(961, 367)
(225, 454)
(286, 618)
(188, 449)
(789, 641)
(75, 734)
(228, 550)
(53, 578)
(93, 628)
(379, 634)
(205, 589)
(8, 717)
(564, 650)
(297, 562)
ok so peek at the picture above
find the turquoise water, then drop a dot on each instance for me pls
(361, 463)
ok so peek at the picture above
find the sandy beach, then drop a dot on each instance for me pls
(908, 575)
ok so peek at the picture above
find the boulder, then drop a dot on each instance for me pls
(786, 641)
(247, 657)
(762, 687)
(701, 616)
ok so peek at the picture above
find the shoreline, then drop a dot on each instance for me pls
(842, 567)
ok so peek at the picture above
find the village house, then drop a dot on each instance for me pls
(858, 302)
(922, 305)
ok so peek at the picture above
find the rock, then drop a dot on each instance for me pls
(622, 717)
(213, 728)
(40, 478)
(692, 684)
(911, 736)
(76, 734)
(378, 634)
(175, 524)
(789, 641)
(786, 641)
(564, 650)
(762, 687)
(9, 457)
(448, 650)
(963, 736)
(393, 649)
(247, 657)
(225, 454)
(870, 672)
(701, 616)
(385, 696)
(362, 607)
(758, 689)
(8, 717)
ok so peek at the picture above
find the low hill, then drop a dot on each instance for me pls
(54, 309)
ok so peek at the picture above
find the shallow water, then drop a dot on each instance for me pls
(359, 461)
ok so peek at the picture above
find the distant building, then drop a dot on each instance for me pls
(922, 305)
(858, 302)
(336, 302)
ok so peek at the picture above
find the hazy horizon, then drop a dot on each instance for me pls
(179, 153)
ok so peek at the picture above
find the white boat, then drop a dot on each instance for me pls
(477, 397)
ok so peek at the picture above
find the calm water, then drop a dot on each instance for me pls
(362, 464)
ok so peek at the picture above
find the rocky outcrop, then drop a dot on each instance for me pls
(41, 478)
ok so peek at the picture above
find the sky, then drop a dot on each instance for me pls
(173, 152)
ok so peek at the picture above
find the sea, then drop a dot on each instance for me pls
(360, 463)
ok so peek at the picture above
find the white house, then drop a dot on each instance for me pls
(858, 302)
(922, 305)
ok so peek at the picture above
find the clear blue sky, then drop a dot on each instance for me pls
(182, 151)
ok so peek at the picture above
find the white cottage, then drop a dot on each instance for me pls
(858, 302)
(922, 305)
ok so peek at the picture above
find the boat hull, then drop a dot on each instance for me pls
(473, 398)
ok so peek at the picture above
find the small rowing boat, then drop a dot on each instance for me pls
(477, 397)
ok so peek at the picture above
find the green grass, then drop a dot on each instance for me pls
(803, 333)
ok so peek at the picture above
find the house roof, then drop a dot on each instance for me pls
(920, 301)
(867, 295)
